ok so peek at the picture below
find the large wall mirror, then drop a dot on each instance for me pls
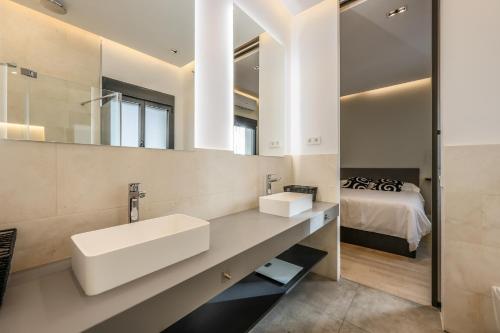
(259, 89)
(108, 72)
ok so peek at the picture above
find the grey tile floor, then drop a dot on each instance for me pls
(319, 305)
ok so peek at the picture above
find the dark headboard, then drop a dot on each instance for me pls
(409, 175)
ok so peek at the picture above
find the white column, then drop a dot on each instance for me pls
(214, 74)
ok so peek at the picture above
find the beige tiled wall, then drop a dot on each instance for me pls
(322, 171)
(471, 234)
(51, 191)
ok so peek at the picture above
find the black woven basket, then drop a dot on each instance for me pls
(7, 242)
(302, 189)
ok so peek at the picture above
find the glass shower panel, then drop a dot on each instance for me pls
(15, 118)
(110, 118)
(156, 127)
(62, 108)
(38, 107)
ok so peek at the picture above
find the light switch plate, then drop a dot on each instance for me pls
(314, 140)
(274, 144)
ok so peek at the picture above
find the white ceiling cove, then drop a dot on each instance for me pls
(377, 51)
(297, 6)
(153, 27)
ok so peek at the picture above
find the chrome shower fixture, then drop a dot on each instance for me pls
(55, 6)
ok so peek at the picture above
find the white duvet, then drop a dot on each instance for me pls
(399, 214)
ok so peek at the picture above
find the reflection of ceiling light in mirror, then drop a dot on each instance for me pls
(55, 6)
(241, 93)
(390, 89)
(397, 11)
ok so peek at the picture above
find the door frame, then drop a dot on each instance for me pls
(436, 153)
(436, 160)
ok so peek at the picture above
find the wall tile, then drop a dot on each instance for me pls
(461, 310)
(471, 236)
(47, 240)
(474, 267)
(52, 191)
(321, 171)
(27, 178)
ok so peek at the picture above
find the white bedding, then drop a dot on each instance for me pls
(399, 214)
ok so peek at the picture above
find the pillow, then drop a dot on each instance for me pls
(409, 187)
(358, 183)
(390, 181)
(388, 186)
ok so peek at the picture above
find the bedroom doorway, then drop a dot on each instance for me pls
(389, 155)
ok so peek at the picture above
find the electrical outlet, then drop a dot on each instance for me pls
(314, 140)
(274, 144)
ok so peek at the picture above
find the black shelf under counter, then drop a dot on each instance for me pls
(240, 307)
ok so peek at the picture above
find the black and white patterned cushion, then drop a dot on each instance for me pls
(390, 181)
(357, 183)
(389, 187)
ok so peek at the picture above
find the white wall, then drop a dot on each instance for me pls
(470, 69)
(128, 65)
(389, 128)
(272, 115)
(315, 80)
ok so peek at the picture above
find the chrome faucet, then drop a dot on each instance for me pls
(270, 179)
(134, 194)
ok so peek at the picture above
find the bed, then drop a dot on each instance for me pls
(392, 222)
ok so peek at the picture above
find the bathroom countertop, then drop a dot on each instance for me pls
(49, 298)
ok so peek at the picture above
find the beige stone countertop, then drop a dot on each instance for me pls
(49, 298)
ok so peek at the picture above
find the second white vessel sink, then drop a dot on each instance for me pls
(107, 258)
(285, 204)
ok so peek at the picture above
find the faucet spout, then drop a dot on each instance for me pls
(134, 194)
(270, 179)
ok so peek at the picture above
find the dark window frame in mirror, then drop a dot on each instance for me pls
(145, 97)
(250, 124)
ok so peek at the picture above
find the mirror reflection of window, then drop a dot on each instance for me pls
(143, 117)
(245, 136)
(259, 89)
(63, 97)
(130, 124)
(156, 128)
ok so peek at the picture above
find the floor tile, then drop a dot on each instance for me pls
(350, 328)
(319, 305)
(316, 305)
(377, 311)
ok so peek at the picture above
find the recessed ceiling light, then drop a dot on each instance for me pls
(174, 51)
(397, 11)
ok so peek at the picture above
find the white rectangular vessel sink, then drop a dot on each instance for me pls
(285, 204)
(107, 258)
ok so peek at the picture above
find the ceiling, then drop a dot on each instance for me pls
(377, 51)
(154, 29)
(297, 6)
(245, 28)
